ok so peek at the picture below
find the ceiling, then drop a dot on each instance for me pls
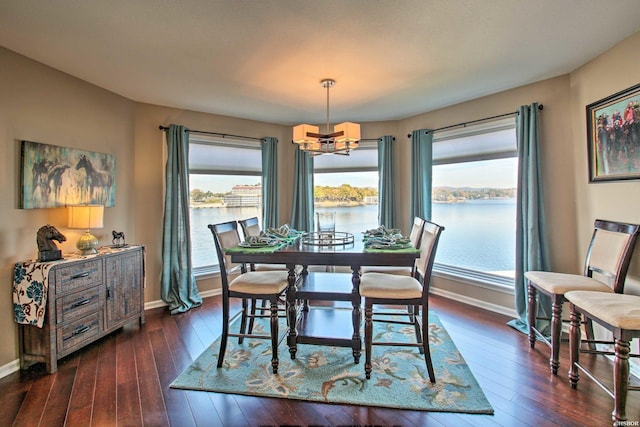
(264, 60)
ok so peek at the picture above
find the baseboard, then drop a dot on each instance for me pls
(475, 302)
(159, 303)
(9, 368)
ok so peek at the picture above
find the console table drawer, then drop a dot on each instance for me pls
(78, 276)
(76, 333)
(79, 304)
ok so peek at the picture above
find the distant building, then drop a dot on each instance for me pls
(370, 200)
(244, 195)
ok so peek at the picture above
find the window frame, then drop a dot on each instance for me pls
(476, 277)
(236, 143)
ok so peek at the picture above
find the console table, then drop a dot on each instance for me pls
(87, 297)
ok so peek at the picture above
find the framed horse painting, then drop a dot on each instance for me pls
(613, 135)
(53, 176)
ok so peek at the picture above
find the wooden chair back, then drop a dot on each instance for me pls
(610, 251)
(225, 235)
(416, 231)
(428, 246)
(250, 226)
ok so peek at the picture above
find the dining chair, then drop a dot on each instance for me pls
(251, 227)
(248, 285)
(414, 237)
(608, 258)
(409, 291)
(619, 314)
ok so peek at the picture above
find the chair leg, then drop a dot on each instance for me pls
(368, 336)
(253, 313)
(532, 312)
(225, 330)
(425, 345)
(556, 333)
(574, 349)
(417, 327)
(274, 334)
(588, 330)
(243, 319)
(620, 380)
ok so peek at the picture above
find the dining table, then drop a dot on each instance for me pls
(308, 249)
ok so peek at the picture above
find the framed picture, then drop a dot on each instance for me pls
(52, 176)
(613, 135)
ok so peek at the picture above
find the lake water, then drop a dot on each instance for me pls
(479, 234)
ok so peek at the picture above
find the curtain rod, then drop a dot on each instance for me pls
(224, 135)
(540, 107)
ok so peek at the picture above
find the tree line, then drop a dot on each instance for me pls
(348, 193)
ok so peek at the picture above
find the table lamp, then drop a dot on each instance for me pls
(86, 217)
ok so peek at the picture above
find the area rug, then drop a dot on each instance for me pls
(328, 374)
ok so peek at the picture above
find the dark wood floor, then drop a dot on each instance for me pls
(123, 380)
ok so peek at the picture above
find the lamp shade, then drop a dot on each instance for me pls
(86, 216)
(351, 132)
(300, 134)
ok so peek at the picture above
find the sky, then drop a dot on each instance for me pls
(499, 173)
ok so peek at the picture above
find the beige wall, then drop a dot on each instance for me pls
(44, 105)
(613, 71)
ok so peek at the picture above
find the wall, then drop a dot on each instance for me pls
(43, 105)
(613, 71)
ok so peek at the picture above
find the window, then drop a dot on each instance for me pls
(474, 191)
(348, 186)
(222, 189)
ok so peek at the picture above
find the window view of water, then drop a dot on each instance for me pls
(203, 250)
(479, 234)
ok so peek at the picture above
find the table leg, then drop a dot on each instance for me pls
(356, 342)
(292, 337)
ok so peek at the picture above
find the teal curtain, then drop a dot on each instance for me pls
(386, 183)
(270, 213)
(421, 174)
(531, 231)
(302, 212)
(177, 283)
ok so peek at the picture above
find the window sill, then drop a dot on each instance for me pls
(206, 272)
(480, 279)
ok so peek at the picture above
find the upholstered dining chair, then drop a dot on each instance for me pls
(251, 227)
(251, 285)
(409, 291)
(414, 237)
(605, 270)
(618, 313)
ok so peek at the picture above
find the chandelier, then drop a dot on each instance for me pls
(342, 140)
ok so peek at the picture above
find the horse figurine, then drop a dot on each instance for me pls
(118, 239)
(95, 179)
(47, 250)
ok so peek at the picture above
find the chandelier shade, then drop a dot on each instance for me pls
(342, 140)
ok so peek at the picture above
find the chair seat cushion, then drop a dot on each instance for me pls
(403, 271)
(618, 310)
(260, 282)
(389, 286)
(561, 283)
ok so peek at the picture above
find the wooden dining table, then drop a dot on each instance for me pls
(303, 286)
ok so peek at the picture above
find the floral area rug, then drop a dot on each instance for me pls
(329, 375)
